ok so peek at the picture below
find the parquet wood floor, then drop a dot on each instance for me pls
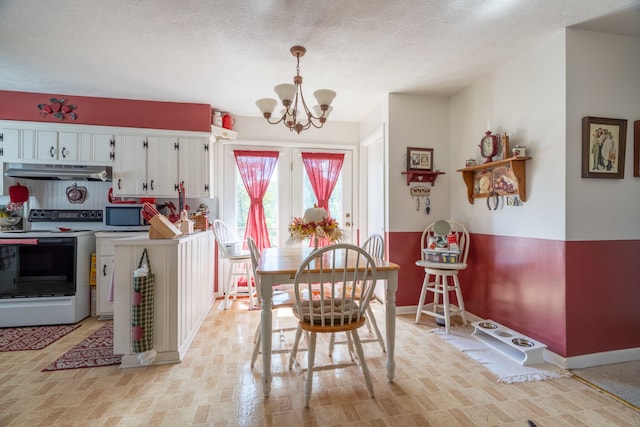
(435, 385)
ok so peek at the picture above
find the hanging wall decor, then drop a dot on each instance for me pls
(58, 108)
(419, 158)
(603, 147)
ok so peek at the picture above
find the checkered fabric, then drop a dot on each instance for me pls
(142, 308)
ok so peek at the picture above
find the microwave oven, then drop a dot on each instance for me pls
(124, 216)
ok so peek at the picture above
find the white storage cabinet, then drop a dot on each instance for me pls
(104, 269)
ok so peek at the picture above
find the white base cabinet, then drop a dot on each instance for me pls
(104, 269)
(183, 293)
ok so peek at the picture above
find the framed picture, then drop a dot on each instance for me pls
(636, 148)
(419, 159)
(603, 147)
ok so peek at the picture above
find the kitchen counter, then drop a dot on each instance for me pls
(183, 293)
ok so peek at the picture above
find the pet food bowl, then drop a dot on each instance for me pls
(487, 325)
(522, 342)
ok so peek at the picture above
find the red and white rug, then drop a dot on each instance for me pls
(95, 350)
(32, 337)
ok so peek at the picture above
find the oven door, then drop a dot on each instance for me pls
(37, 267)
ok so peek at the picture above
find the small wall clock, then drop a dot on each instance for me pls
(489, 146)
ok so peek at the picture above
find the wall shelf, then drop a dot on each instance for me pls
(514, 168)
(422, 176)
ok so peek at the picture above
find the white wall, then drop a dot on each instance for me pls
(525, 98)
(603, 80)
(257, 129)
(417, 121)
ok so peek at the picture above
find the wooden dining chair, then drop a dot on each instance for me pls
(239, 262)
(280, 300)
(337, 302)
(374, 245)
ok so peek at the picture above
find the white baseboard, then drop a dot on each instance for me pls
(594, 359)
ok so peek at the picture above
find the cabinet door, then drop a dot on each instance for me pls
(9, 144)
(129, 167)
(95, 149)
(67, 148)
(162, 166)
(52, 145)
(103, 148)
(195, 168)
(104, 277)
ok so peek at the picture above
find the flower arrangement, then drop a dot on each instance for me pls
(309, 226)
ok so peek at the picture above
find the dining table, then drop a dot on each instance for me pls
(278, 266)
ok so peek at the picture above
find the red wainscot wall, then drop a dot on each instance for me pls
(603, 295)
(578, 298)
(109, 111)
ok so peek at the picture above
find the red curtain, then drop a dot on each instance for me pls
(256, 168)
(323, 170)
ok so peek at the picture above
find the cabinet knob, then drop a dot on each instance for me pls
(52, 151)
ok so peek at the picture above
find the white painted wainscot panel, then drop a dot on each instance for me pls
(183, 269)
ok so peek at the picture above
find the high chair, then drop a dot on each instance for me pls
(441, 266)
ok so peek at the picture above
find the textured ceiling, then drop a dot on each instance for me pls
(230, 53)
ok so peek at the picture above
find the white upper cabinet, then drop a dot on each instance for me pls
(52, 145)
(9, 144)
(162, 166)
(156, 165)
(195, 167)
(130, 166)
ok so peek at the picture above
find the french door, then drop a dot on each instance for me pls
(289, 194)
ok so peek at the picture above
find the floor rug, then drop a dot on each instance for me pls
(506, 369)
(95, 350)
(32, 337)
(619, 380)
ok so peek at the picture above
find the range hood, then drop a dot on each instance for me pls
(58, 172)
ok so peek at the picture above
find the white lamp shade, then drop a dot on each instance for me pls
(318, 111)
(324, 96)
(285, 91)
(266, 105)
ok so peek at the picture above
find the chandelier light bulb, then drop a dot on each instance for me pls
(291, 96)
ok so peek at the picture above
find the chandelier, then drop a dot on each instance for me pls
(296, 115)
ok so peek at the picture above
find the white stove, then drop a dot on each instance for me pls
(45, 271)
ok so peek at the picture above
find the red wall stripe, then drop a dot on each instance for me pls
(109, 111)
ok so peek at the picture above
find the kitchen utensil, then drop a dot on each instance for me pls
(149, 211)
(181, 197)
